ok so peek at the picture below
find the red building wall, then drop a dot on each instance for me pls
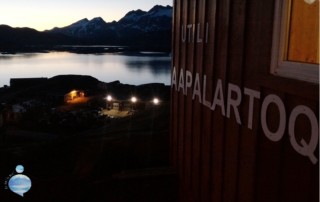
(240, 149)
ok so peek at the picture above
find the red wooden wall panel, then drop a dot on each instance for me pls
(216, 157)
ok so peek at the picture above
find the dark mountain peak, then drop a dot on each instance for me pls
(136, 28)
(160, 11)
(98, 20)
(136, 17)
(95, 24)
(84, 20)
(157, 8)
(135, 12)
(132, 16)
(80, 22)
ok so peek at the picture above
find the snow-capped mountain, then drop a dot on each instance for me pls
(73, 29)
(83, 28)
(138, 29)
(132, 17)
(134, 22)
(157, 18)
(160, 11)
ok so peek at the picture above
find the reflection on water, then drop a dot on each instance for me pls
(131, 69)
(155, 65)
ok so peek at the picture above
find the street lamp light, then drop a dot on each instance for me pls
(156, 101)
(133, 99)
(109, 98)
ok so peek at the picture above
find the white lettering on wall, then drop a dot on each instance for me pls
(190, 33)
(197, 90)
(218, 98)
(193, 33)
(174, 79)
(252, 95)
(188, 81)
(199, 39)
(233, 103)
(304, 149)
(205, 102)
(276, 136)
(183, 33)
(181, 82)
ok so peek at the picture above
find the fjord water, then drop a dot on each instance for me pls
(133, 69)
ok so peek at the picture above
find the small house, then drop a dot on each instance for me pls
(73, 95)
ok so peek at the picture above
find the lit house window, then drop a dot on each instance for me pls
(295, 48)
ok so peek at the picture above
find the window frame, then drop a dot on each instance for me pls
(279, 65)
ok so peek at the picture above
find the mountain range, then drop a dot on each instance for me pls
(143, 29)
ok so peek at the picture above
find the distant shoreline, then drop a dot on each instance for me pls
(87, 49)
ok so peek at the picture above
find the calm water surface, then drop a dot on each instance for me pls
(139, 69)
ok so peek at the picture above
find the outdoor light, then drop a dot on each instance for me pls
(109, 98)
(133, 99)
(155, 101)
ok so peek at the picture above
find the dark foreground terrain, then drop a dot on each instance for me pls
(125, 161)
(122, 159)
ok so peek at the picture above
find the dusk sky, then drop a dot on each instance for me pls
(46, 14)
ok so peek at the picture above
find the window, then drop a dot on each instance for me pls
(295, 50)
